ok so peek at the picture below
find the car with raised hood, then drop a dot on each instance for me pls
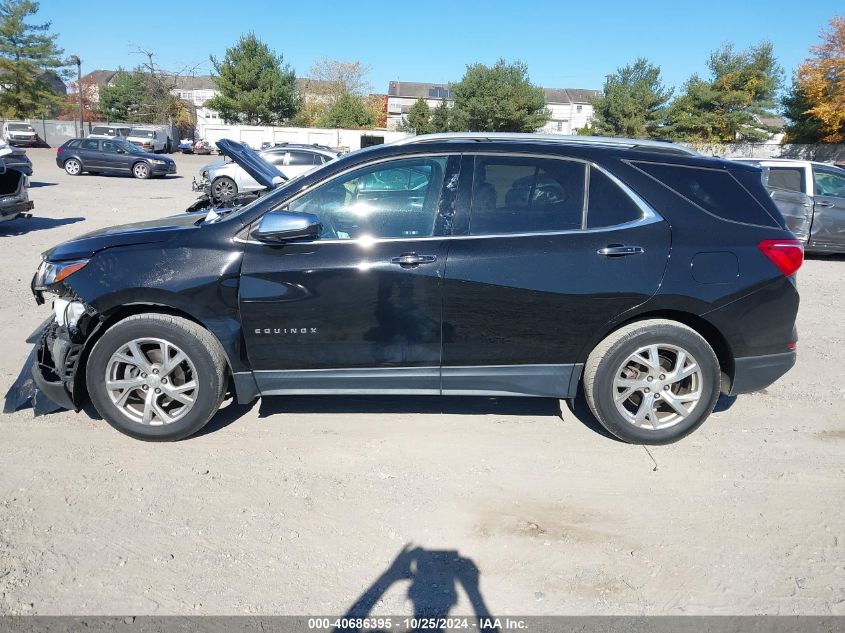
(15, 169)
(226, 179)
(642, 274)
(111, 156)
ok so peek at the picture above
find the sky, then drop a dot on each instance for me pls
(566, 44)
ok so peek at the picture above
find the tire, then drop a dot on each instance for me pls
(635, 366)
(141, 170)
(223, 188)
(132, 351)
(73, 167)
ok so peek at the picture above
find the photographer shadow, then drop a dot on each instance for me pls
(435, 576)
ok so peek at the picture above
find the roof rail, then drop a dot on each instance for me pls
(572, 139)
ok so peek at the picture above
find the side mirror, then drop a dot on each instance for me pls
(282, 226)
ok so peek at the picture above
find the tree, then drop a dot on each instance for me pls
(633, 102)
(419, 117)
(350, 112)
(28, 52)
(441, 118)
(124, 98)
(802, 127)
(500, 98)
(822, 82)
(70, 106)
(256, 86)
(334, 77)
(727, 107)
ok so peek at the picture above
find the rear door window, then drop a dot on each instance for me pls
(90, 144)
(789, 178)
(712, 190)
(301, 158)
(526, 195)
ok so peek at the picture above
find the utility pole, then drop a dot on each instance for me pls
(75, 60)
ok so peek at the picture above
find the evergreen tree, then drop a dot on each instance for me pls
(256, 86)
(633, 102)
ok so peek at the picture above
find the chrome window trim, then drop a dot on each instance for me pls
(649, 215)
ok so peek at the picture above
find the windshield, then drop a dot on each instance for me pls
(21, 127)
(102, 130)
(142, 133)
(128, 147)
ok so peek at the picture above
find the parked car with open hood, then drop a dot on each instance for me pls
(463, 264)
(227, 179)
(104, 156)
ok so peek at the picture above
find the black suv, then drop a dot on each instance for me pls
(649, 276)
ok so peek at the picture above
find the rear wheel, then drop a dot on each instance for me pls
(73, 167)
(652, 382)
(141, 170)
(157, 377)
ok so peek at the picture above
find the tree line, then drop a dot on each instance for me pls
(735, 101)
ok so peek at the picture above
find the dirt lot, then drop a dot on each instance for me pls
(301, 505)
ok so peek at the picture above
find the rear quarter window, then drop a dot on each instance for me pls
(714, 191)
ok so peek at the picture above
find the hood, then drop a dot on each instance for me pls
(148, 232)
(261, 171)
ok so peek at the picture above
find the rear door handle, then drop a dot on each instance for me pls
(618, 250)
(409, 260)
(824, 203)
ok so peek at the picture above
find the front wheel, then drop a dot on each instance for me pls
(141, 170)
(652, 382)
(223, 189)
(157, 377)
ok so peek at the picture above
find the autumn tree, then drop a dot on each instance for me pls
(633, 102)
(70, 106)
(727, 106)
(821, 84)
(337, 92)
(498, 98)
(28, 56)
(256, 86)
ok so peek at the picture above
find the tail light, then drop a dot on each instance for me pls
(58, 150)
(787, 255)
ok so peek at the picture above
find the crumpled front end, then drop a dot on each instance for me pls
(49, 377)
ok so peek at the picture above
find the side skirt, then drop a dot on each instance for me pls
(551, 381)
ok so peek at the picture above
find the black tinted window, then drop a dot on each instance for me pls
(790, 178)
(519, 195)
(608, 204)
(301, 158)
(73, 143)
(109, 146)
(713, 190)
(92, 144)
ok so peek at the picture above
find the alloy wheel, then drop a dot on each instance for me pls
(658, 386)
(223, 189)
(140, 170)
(72, 167)
(151, 381)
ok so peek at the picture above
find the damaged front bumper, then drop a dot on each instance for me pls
(48, 379)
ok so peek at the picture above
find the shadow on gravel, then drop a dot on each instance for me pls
(34, 183)
(434, 577)
(836, 257)
(22, 226)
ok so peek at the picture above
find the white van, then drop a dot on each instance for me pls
(19, 133)
(150, 139)
(110, 131)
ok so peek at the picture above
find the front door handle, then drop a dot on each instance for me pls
(410, 260)
(618, 250)
(824, 203)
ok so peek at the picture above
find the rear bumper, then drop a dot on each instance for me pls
(753, 373)
(11, 211)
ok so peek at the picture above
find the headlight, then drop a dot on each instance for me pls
(204, 173)
(50, 273)
(159, 162)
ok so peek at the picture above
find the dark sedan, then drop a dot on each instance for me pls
(111, 156)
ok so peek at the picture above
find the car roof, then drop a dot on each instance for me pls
(571, 139)
(317, 149)
(785, 161)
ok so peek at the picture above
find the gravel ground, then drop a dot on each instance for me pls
(303, 505)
